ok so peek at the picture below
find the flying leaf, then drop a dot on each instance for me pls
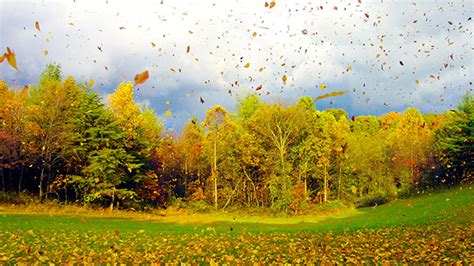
(261, 69)
(258, 88)
(417, 82)
(247, 65)
(45, 52)
(11, 58)
(188, 49)
(322, 86)
(332, 94)
(272, 4)
(168, 113)
(401, 63)
(201, 99)
(141, 78)
(37, 26)
(284, 79)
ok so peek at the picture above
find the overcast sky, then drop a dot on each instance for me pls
(390, 55)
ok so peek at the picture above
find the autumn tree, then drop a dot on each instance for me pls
(217, 124)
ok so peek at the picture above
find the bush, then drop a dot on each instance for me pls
(372, 200)
(17, 198)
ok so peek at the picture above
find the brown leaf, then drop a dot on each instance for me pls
(188, 49)
(37, 26)
(201, 99)
(141, 78)
(258, 88)
(284, 78)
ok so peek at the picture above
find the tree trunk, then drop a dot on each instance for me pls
(325, 184)
(113, 199)
(41, 184)
(339, 182)
(21, 179)
(3, 180)
(215, 174)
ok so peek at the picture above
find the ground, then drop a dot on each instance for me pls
(433, 227)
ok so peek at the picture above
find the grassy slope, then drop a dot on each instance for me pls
(454, 205)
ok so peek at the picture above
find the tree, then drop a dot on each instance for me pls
(277, 126)
(48, 130)
(217, 123)
(455, 144)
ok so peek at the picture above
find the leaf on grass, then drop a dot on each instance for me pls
(259, 88)
(141, 78)
(332, 94)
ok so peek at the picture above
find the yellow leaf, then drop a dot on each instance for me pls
(254, 34)
(261, 69)
(37, 26)
(322, 86)
(11, 58)
(168, 112)
(247, 65)
(377, 56)
(272, 4)
(417, 82)
(141, 78)
(349, 68)
(140, 232)
(92, 82)
(284, 79)
(332, 94)
(45, 52)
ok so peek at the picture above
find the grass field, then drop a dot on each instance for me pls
(431, 227)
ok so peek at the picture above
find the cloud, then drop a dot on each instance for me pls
(309, 42)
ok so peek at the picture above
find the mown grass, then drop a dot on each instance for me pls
(453, 205)
(445, 216)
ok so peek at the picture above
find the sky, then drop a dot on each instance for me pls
(387, 55)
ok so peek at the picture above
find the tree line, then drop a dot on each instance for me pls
(60, 140)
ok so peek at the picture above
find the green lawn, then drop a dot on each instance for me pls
(443, 217)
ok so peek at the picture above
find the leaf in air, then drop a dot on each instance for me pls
(284, 78)
(11, 58)
(322, 86)
(272, 4)
(37, 26)
(45, 52)
(168, 113)
(188, 49)
(141, 78)
(247, 65)
(201, 100)
(332, 94)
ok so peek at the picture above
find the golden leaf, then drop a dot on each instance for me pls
(141, 78)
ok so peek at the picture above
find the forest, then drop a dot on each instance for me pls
(61, 141)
